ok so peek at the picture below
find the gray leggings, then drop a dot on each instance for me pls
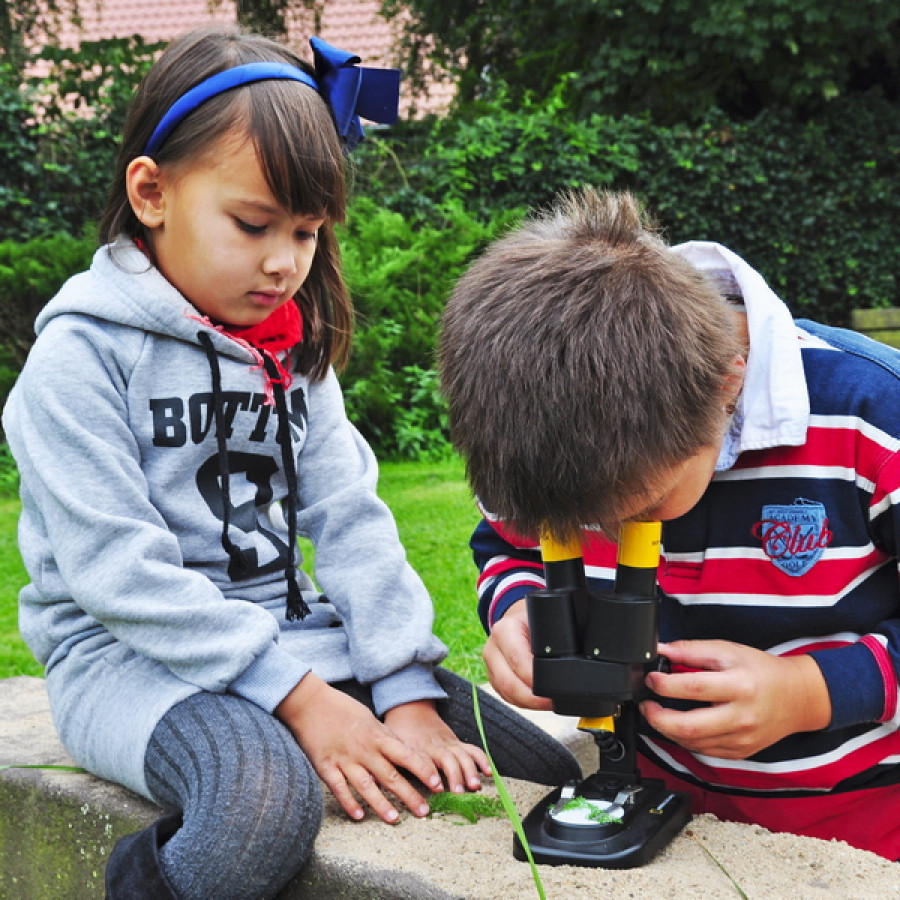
(251, 802)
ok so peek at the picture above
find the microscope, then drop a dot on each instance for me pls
(592, 651)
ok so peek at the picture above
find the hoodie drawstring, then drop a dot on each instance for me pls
(296, 605)
(242, 562)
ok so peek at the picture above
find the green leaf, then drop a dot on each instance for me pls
(471, 807)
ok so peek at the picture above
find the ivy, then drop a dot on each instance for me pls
(59, 134)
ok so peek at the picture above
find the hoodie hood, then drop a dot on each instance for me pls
(123, 287)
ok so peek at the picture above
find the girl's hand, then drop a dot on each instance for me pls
(755, 698)
(354, 753)
(420, 727)
(507, 655)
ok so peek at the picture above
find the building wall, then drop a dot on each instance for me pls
(353, 25)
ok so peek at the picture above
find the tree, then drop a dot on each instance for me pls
(273, 17)
(674, 58)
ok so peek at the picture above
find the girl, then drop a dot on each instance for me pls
(177, 425)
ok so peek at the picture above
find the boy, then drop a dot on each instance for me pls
(596, 375)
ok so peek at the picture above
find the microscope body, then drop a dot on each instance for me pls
(592, 651)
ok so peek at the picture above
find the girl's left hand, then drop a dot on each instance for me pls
(420, 727)
(753, 698)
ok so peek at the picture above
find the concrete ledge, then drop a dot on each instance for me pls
(57, 828)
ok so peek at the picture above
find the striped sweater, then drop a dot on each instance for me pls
(792, 549)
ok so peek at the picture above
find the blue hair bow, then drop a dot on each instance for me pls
(349, 90)
(352, 91)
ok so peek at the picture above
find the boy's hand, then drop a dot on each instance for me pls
(420, 727)
(508, 657)
(755, 698)
(354, 753)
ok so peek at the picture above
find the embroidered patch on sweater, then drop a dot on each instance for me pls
(794, 536)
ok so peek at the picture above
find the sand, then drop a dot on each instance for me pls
(709, 859)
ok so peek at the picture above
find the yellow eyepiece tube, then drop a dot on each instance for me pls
(553, 550)
(563, 565)
(639, 544)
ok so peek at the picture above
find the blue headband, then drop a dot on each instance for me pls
(349, 90)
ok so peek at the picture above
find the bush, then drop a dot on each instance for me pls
(811, 205)
(522, 156)
(500, 155)
(59, 134)
(30, 274)
(400, 272)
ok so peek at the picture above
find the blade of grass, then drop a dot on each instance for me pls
(77, 769)
(511, 812)
(725, 872)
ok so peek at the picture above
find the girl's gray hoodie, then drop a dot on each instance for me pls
(131, 501)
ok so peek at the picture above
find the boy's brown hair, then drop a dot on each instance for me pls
(581, 356)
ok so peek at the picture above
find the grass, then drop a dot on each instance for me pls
(15, 657)
(435, 516)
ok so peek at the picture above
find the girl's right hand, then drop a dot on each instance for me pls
(353, 753)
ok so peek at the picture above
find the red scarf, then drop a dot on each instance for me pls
(279, 331)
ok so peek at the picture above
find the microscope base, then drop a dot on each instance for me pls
(613, 823)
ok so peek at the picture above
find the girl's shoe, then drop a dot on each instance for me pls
(133, 871)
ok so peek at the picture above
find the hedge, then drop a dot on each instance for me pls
(810, 204)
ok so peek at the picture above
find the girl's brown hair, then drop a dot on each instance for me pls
(298, 147)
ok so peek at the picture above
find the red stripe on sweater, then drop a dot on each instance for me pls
(828, 447)
(888, 675)
(721, 577)
(805, 774)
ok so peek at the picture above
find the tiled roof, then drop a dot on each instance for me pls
(350, 24)
(357, 26)
(160, 20)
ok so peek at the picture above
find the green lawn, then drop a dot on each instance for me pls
(435, 515)
(15, 658)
